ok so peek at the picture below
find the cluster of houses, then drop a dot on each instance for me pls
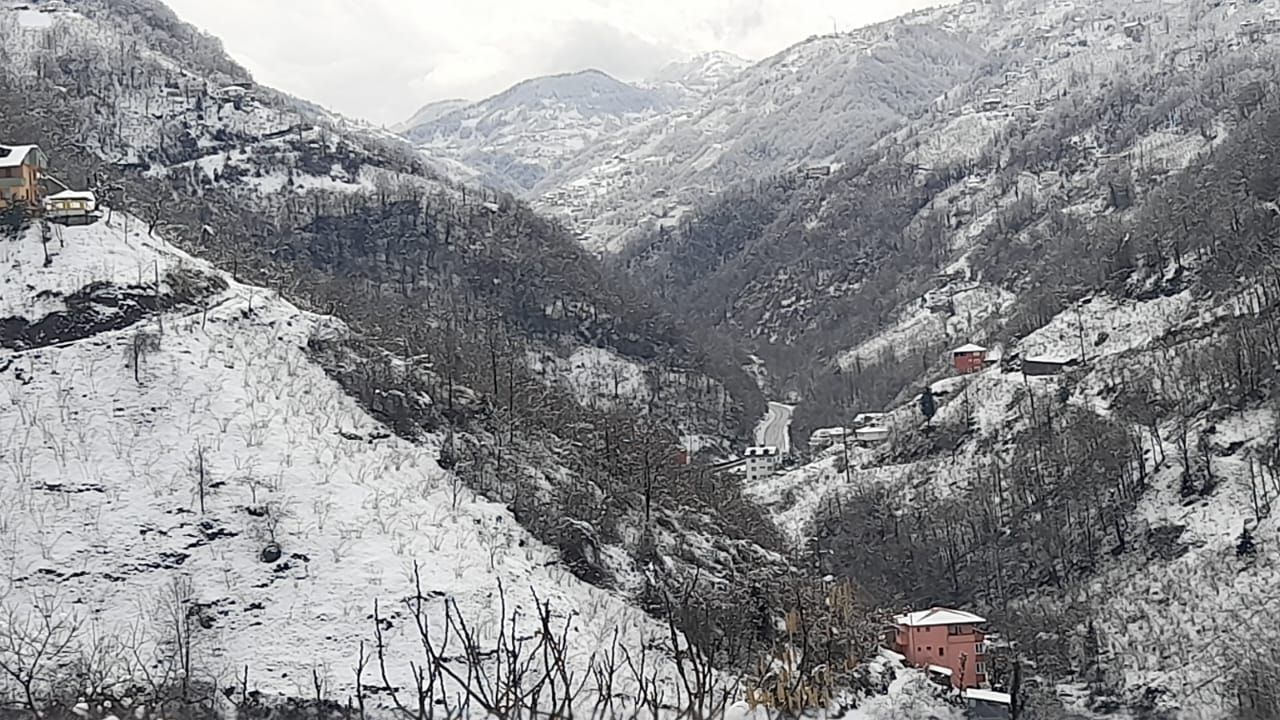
(872, 428)
(868, 429)
(971, 358)
(26, 185)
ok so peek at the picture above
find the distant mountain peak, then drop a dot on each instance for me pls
(589, 90)
(701, 72)
(430, 112)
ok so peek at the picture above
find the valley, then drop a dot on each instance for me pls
(923, 370)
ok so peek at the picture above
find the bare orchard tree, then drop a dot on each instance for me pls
(523, 670)
(141, 345)
(36, 638)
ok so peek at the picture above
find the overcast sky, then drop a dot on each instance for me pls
(383, 59)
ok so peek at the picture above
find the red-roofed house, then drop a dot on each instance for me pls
(947, 642)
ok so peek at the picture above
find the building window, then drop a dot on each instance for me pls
(942, 652)
(980, 668)
(980, 648)
(958, 630)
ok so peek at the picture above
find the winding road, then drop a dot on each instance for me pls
(775, 428)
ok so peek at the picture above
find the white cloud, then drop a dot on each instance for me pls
(382, 59)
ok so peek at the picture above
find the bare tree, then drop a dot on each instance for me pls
(36, 638)
(142, 344)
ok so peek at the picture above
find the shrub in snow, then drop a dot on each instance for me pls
(1245, 546)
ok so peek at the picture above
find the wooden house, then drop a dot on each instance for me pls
(969, 358)
(21, 168)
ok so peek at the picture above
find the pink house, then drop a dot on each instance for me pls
(944, 642)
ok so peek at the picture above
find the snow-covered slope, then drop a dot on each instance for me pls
(1169, 569)
(430, 113)
(699, 75)
(121, 488)
(449, 291)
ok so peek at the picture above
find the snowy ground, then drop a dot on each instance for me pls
(102, 509)
(597, 376)
(911, 696)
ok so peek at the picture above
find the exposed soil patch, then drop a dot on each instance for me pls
(103, 307)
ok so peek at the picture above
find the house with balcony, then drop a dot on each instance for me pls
(945, 642)
(21, 167)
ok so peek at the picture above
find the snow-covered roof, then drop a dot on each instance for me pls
(970, 348)
(1050, 359)
(990, 696)
(14, 155)
(872, 430)
(761, 450)
(73, 195)
(938, 616)
(939, 669)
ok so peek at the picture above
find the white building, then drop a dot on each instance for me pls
(826, 437)
(867, 418)
(872, 434)
(762, 460)
(70, 204)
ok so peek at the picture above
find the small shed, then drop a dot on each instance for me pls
(939, 674)
(817, 172)
(987, 704)
(70, 205)
(969, 358)
(1041, 366)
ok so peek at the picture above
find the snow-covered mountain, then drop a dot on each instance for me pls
(810, 106)
(430, 112)
(297, 361)
(389, 349)
(1098, 191)
(513, 140)
(699, 75)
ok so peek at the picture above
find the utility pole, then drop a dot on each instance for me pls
(1015, 688)
(1080, 325)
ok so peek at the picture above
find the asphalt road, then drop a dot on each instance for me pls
(775, 428)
